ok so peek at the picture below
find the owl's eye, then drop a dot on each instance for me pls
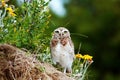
(65, 31)
(56, 31)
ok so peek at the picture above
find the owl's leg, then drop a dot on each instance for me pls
(69, 70)
(65, 70)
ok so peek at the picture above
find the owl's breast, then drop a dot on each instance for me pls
(61, 54)
(62, 49)
(59, 47)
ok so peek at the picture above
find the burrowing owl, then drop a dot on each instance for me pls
(62, 48)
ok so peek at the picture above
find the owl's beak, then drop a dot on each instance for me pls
(61, 35)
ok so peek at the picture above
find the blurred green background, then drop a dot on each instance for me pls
(100, 21)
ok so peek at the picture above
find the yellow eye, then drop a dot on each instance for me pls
(56, 31)
(65, 31)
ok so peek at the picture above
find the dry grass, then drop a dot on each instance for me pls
(16, 65)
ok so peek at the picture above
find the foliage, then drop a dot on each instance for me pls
(81, 65)
(28, 27)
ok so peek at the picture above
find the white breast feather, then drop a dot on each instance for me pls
(62, 54)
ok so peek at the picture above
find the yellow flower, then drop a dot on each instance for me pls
(12, 14)
(11, 11)
(78, 56)
(87, 57)
(3, 3)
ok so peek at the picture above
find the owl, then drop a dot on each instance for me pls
(62, 49)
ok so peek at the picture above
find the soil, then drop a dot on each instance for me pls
(16, 64)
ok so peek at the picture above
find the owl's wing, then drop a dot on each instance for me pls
(72, 52)
(53, 43)
(51, 49)
(50, 44)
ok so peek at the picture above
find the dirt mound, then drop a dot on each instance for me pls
(15, 64)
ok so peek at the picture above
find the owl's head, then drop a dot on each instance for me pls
(61, 32)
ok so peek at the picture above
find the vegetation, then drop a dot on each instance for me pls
(27, 27)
